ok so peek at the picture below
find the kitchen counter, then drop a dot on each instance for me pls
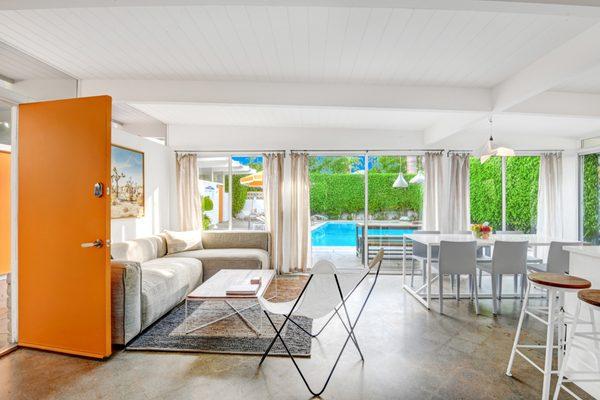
(584, 262)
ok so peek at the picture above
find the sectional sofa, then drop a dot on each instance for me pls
(147, 282)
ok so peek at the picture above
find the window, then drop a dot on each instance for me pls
(516, 208)
(393, 211)
(590, 198)
(486, 191)
(338, 205)
(522, 193)
(242, 207)
(5, 120)
(248, 208)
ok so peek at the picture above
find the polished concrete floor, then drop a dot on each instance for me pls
(410, 353)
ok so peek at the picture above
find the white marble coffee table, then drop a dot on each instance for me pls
(215, 289)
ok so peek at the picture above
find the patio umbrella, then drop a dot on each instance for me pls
(254, 180)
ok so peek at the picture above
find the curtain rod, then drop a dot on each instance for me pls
(516, 151)
(366, 151)
(240, 152)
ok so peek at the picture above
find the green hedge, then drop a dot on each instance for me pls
(521, 192)
(486, 191)
(240, 193)
(591, 204)
(337, 194)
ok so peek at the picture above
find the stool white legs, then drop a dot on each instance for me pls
(519, 326)
(555, 317)
(586, 376)
(549, 344)
(561, 370)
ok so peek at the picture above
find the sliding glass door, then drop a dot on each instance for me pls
(337, 207)
(338, 202)
(231, 192)
(395, 202)
(589, 226)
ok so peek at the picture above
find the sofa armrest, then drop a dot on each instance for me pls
(126, 307)
(236, 240)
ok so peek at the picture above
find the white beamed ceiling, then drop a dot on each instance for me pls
(17, 66)
(588, 82)
(299, 44)
(373, 119)
(291, 116)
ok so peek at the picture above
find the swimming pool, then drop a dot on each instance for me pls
(344, 234)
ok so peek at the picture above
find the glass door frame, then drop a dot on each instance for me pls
(365, 154)
(580, 167)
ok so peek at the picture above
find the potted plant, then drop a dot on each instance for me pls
(482, 231)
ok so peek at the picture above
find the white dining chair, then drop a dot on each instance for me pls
(456, 259)
(508, 258)
(558, 259)
(419, 253)
(482, 256)
(530, 260)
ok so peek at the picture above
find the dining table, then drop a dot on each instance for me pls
(431, 240)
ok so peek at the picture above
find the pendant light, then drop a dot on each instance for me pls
(400, 182)
(488, 150)
(419, 178)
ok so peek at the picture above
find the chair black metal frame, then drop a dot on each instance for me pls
(349, 329)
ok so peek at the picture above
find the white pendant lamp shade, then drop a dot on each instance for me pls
(488, 149)
(419, 178)
(504, 152)
(400, 182)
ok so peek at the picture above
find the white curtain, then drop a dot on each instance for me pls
(299, 213)
(459, 214)
(188, 192)
(273, 198)
(549, 220)
(432, 191)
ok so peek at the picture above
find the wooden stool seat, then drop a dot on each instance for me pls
(559, 280)
(590, 296)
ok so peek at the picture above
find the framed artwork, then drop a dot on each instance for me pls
(127, 183)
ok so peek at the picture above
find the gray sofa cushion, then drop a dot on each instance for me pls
(236, 240)
(166, 282)
(140, 250)
(214, 260)
(126, 283)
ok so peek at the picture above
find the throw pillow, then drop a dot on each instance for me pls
(183, 241)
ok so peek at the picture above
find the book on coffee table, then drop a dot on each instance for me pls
(247, 289)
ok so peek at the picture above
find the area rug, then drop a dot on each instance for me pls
(230, 335)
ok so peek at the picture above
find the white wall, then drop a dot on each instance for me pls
(158, 164)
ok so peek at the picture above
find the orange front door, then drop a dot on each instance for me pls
(64, 288)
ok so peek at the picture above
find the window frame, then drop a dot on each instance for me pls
(230, 155)
(503, 169)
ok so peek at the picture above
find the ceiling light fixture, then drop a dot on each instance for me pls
(488, 150)
(400, 182)
(419, 178)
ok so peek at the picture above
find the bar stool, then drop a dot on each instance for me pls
(556, 285)
(591, 299)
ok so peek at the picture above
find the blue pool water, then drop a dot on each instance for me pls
(344, 234)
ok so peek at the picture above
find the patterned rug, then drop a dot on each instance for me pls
(231, 335)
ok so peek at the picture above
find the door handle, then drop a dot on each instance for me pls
(96, 243)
